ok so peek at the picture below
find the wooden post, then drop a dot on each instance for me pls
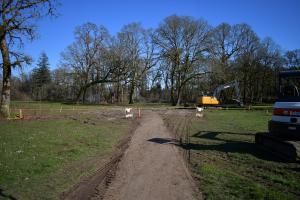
(21, 114)
(8, 117)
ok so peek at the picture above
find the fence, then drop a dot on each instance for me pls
(180, 127)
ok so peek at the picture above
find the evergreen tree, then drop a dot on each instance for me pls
(42, 71)
(41, 76)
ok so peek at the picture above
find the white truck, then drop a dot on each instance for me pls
(286, 111)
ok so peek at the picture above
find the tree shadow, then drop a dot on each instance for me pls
(163, 140)
(2, 194)
(230, 146)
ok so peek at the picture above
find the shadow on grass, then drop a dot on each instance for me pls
(8, 196)
(213, 134)
(226, 145)
(232, 146)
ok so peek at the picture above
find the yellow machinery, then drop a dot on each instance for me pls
(213, 100)
(208, 100)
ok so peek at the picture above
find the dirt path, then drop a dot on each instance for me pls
(151, 167)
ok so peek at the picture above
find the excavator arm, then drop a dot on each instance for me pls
(233, 84)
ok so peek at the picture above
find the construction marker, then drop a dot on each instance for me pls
(60, 109)
(8, 113)
(139, 113)
(21, 114)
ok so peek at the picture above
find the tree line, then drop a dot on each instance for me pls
(181, 59)
(174, 63)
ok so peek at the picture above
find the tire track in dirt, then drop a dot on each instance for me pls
(151, 167)
(96, 185)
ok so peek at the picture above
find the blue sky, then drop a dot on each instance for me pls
(279, 19)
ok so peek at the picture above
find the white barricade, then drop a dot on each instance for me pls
(128, 113)
(199, 112)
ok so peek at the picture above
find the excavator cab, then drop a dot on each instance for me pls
(290, 91)
(289, 85)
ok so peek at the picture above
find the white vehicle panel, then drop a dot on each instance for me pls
(286, 119)
(287, 105)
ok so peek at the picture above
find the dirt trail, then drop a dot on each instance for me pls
(151, 167)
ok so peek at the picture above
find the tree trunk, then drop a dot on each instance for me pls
(118, 92)
(178, 96)
(5, 95)
(244, 87)
(83, 95)
(78, 95)
(172, 91)
(131, 92)
(81, 91)
(172, 96)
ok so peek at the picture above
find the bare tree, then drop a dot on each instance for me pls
(62, 87)
(16, 23)
(88, 57)
(269, 61)
(248, 60)
(140, 53)
(117, 59)
(183, 42)
(292, 59)
(227, 42)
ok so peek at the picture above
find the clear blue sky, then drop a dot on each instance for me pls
(279, 19)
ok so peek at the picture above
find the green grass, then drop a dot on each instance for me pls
(58, 105)
(241, 121)
(40, 159)
(228, 165)
(223, 183)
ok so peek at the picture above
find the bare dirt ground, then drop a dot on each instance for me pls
(151, 167)
(145, 165)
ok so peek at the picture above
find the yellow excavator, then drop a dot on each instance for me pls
(213, 100)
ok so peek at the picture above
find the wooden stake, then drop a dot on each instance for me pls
(21, 114)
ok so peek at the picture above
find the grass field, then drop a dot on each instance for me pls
(227, 163)
(39, 159)
(58, 144)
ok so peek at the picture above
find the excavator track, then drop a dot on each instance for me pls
(284, 148)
